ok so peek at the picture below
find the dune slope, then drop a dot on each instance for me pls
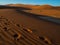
(18, 29)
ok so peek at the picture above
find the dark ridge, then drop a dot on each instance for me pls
(40, 17)
(13, 7)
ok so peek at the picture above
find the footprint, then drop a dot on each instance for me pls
(18, 25)
(5, 28)
(6, 24)
(42, 38)
(28, 30)
(17, 36)
(46, 40)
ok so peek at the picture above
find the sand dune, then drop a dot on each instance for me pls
(19, 28)
(36, 6)
(48, 10)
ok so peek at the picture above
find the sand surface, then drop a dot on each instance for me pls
(18, 28)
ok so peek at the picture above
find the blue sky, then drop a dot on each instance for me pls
(34, 2)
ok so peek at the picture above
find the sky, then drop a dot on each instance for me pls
(33, 2)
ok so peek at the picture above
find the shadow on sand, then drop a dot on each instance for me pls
(13, 7)
(40, 17)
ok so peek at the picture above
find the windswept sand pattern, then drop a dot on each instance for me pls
(16, 34)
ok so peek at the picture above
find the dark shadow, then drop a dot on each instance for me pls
(40, 17)
(13, 7)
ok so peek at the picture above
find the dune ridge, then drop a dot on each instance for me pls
(47, 10)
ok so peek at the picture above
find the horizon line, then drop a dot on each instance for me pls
(30, 4)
